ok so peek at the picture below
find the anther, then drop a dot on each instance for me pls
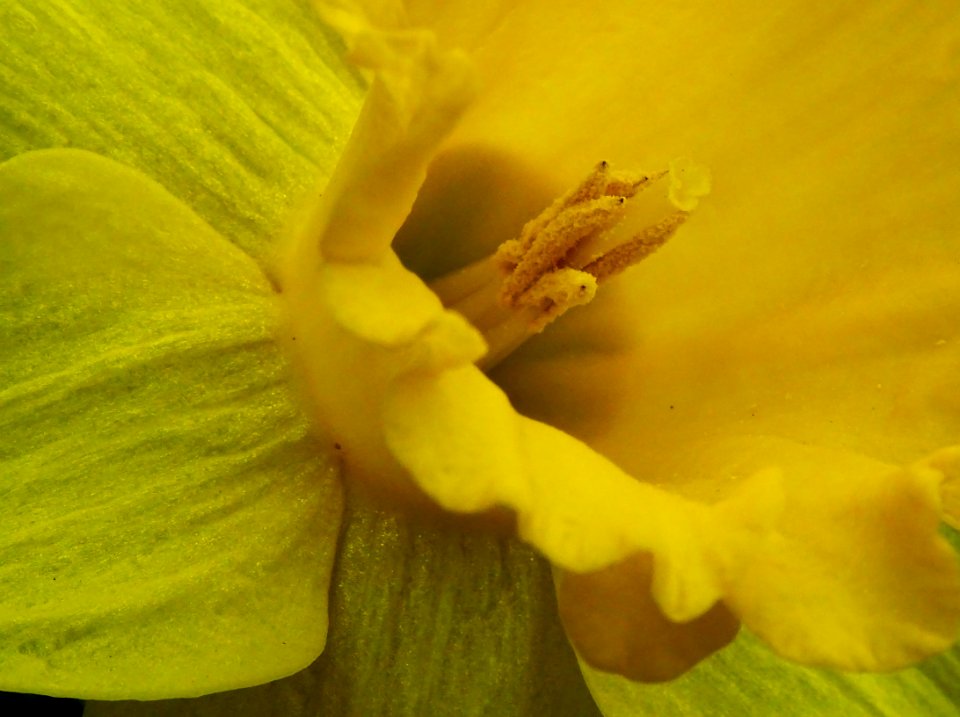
(563, 254)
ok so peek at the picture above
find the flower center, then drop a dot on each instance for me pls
(611, 221)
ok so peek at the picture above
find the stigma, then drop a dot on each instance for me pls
(611, 221)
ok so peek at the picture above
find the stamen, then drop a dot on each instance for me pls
(561, 236)
(637, 249)
(556, 292)
(591, 188)
(565, 252)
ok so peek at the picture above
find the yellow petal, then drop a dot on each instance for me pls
(417, 94)
(458, 436)
(342, 284)
(566, 83)
(866, 360)
(821, 580)
(815, 122)
(463, 444)
(856, 575)
(352, 346)
(817, 295)
(837, 329)
(357, 293)
(828, 312)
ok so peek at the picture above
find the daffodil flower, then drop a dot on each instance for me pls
(789, 536)
(757, 423)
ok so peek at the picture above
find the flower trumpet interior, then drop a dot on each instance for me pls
(795, 543)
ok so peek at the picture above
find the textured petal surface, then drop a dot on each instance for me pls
(426, 621)
(746, 678)
(169, 528)
(238, 108)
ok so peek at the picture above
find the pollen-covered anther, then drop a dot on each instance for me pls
(612, 220)
(548, 249)
(569, 237)
(637, 249)
(555, 293)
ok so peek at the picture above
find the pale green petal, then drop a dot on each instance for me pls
(426, 622)
(168, 527)
(237, 108)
